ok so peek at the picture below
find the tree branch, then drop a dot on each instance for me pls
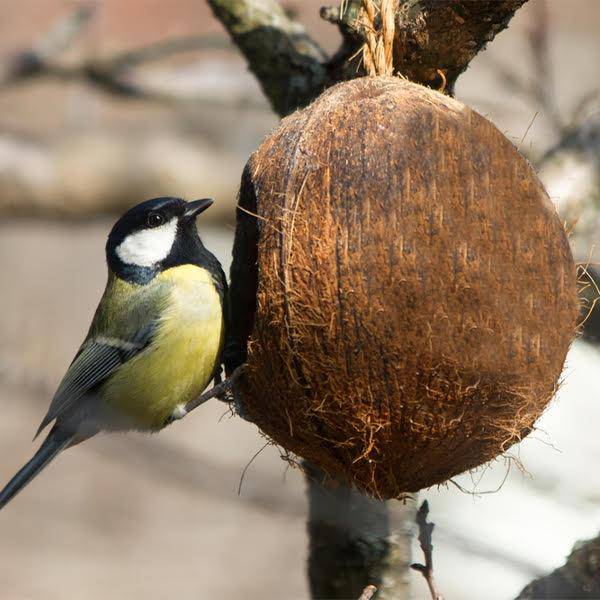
(354, 541)
(288, 64)
(445, 35)
(577, 579)
(112, 74)
(435, 39)
(425, 541)
(59, 38)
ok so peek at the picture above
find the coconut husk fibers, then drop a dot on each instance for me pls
(416, 289)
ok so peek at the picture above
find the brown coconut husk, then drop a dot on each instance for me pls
(416, 289)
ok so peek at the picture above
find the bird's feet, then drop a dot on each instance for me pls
(224, 390)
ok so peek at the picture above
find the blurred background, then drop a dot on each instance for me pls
(143, 98)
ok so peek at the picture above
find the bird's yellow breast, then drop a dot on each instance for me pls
(181, 359)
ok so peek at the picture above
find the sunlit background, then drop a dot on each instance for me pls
(168, 515)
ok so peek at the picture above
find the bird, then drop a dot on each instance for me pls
(156, 338)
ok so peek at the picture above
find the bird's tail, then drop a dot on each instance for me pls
(52, 445)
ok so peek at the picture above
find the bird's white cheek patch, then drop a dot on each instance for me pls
(147, 247)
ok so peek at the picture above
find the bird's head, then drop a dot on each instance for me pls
(154, 235)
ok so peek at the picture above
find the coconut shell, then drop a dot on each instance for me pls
(416, 290)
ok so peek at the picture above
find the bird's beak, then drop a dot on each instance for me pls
(194, 208)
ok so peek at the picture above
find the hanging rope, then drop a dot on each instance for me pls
(378, 49)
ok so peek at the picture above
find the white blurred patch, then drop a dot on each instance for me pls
(147, 247)
(570, 182)
(179, 412)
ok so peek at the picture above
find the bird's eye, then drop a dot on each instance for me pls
(154, 219)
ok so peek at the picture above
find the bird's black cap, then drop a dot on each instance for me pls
(150, 215)
(136, 218)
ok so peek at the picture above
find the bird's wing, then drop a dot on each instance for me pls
(123, 326)
(96, 360)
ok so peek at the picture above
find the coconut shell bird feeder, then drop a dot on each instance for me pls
(413, 289)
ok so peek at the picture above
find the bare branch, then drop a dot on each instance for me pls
(113, 74)
(164, 48)
(537, 38)
(538, 88)
(425, 540)
(109, 77)
(288, 64)
(60, 37)
(64, 33)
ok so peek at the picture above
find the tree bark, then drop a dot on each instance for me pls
(445, 35)
(431, 36)
(435, 40)
(351, 540)
(577, 579)
(356, 541)
(288, 64)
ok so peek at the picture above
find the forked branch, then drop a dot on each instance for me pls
(288, 63)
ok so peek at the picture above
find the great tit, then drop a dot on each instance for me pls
(156, 338)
